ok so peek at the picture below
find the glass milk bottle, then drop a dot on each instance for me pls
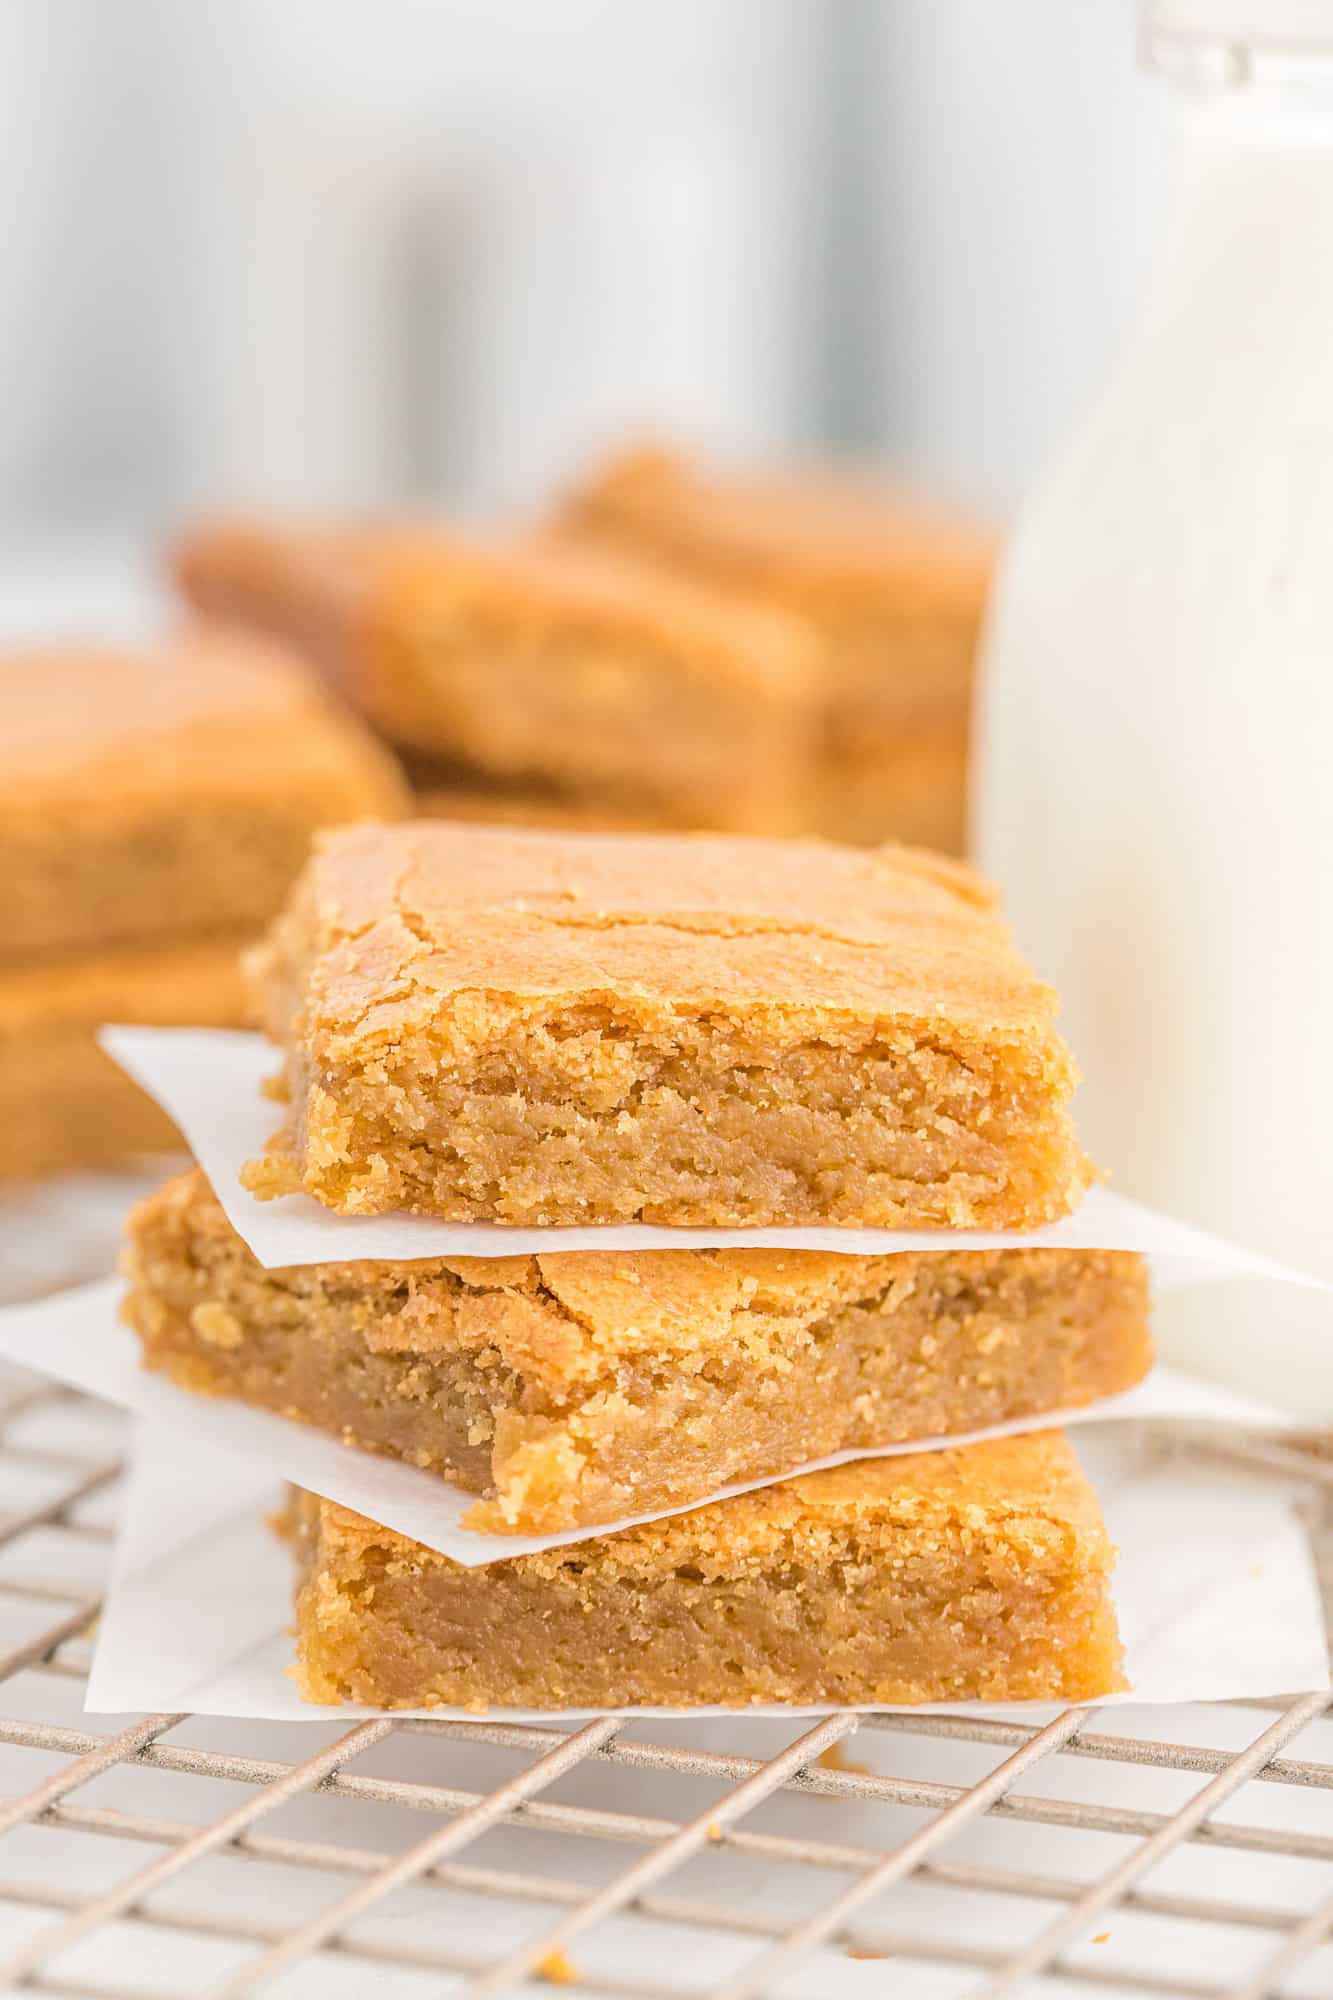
(1154, 769)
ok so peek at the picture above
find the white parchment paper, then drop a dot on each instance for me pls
(1214, 1587)
(77, 1337)
(209, 1081)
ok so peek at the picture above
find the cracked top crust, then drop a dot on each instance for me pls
(392, 924)
(1026, 1492)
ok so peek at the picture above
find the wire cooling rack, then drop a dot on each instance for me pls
(1178, 1851)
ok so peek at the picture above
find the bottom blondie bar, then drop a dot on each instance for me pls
(979, 1574)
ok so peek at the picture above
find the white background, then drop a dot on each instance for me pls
(349, 250)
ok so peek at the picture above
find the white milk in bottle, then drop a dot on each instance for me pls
(1154, 768)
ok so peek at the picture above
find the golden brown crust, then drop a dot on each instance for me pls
(168, 790)
(398, 917)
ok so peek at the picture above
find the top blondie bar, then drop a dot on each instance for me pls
(488, 1024)
(173, 789)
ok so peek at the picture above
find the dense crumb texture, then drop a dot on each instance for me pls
(168, 791)
(489, 1024)
(583, 1387)
(63, 1104)
(591, 669)
(977, 1575)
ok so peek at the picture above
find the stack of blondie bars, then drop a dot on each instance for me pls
(713, 1034)
(155, 808)
(671, 648)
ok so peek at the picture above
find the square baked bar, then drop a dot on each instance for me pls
(487, 1024)
(579, 1388)
(590, 669)
(976, 1575)
(170, 790)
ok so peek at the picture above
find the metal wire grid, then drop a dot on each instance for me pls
(984, 1860)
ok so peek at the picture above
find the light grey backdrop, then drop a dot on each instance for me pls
(342, 251)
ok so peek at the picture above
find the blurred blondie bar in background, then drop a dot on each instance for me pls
(156, 806)
(891, 591)
(670, 646)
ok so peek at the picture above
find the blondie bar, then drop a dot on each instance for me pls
(577, 1388)
(976, 1575)
(894, 591)
(590, 669)
(64, 1104)
(483, 1023)
(167, 791)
